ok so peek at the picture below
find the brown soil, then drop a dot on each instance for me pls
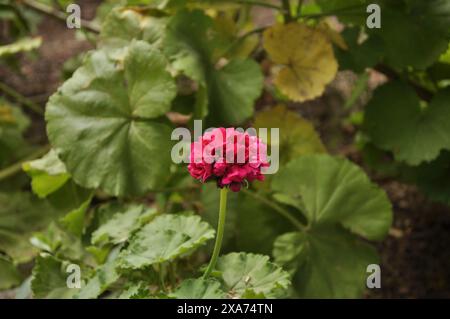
(415, 256)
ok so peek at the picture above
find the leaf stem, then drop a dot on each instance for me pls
(424, 93)
(257, 3)
(21, 99)
(239, 40)
(17, 167)
(220, 231)
(299, 8)
(337, 12)
(280, 210)
(161, 274)
(287, 11)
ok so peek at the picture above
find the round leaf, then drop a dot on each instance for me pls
(297, 135)
(335, 190)
(123, 25)
(417, 35)
(199, 289)
(396, 121)
(233, 91)
(326, 262)
(165, 238)
(241, 272)
(307, 58)
(122, 224)
(102, 121)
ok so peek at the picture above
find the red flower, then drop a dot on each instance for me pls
(228, 156)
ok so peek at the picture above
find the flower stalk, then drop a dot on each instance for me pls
(220, 231)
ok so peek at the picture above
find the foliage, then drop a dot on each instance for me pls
(106, 196)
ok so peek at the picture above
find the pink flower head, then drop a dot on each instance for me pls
(229, 157)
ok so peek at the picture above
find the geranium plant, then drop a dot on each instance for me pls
(107, 197)
(231, 158)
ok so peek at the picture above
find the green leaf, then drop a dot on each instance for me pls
(432, 178)
(103, 122)
(123, 25)
(360, 55)
(49, 279)
(426, 22)
(250, 225)
(165, 238)
(61, 244)
(48, 174)
(50, 179)
(257, 225)
(136, 291)
(241, 272)
(335, 190)
(199, 289)
(251, 294)
(194, 45)
(69, 197)
(122, 224)
(104, 276)
(396, 121)
(74, 220)
(232, 90)
(22, 45)
(290, 250)
(297, 135)
(13, 123)
(151, 249)
(21, 214)
(9, 275)
(330, 262)
(348, 11)
(325, 259)
(99, 253)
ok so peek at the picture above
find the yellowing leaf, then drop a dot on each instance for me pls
(334, 36)
(297, 136)
(307, 56)
(232, 30)
(6, 115)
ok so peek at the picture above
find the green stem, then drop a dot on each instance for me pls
(287, 11)
(17, 167)
(347, 11)
(220, 231)
(239, 40)
(299, 8)
(21, 99)
(280, 210)
(161, 273)
(257, 3)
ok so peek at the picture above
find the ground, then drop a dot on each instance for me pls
(415, 259)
